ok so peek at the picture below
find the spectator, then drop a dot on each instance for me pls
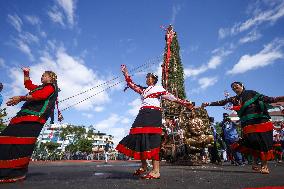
(106, 150)
(214, 156)
(230, 135)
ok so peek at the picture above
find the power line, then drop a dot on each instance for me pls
(113, 79)
(144, 66)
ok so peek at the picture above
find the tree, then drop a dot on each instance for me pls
(80, 142)
(173, 75)
(90, 133)
(84, 145)
(2, 115)
(51, 146)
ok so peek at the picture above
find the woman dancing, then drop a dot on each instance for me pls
(144, 139)
(17, 140)
(257, 129)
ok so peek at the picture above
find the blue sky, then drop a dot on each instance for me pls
(85, 42)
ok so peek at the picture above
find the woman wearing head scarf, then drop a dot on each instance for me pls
(257, 130)
(17, 140)
(144, 139)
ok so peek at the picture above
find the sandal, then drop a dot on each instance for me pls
(256, 168)
(14, 179)
(149, 176)
(139, 171)
(264, 170)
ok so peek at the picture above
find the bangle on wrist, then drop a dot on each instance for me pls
(127, 78)
(23, 98)
(26, 73)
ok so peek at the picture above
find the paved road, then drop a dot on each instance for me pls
(118, 174)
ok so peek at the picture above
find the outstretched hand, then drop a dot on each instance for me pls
(26, 69)
(14, 101)
(189, 104)
(204, 104)
(60, 117)
(124, 69)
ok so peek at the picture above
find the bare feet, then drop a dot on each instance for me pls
(264, 170)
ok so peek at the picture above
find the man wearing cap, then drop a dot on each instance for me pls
(230, 136)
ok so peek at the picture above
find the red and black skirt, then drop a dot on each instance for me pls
(144, 139)
(277, 148)
(17, 142)
(257, 139)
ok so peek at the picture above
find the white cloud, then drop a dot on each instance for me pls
(135, 106)
(73, 78)
(43, 34)
(112, 125)
(99, 109)
(110, 122)
(251, 36)
(29, 38)
(206, 82)
(223, 32)
(15, 21)
(34, 20)
(213, 63)
(267, 56)
(56, 16)
(89, 116)
(271, 16)
(216, 60)
(118, 134)
(128, 44)
(2, 63)
(125, 121)
(22, 46)
(191, 72)
(68, 8)
(175, 11)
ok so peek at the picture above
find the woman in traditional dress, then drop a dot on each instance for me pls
(144, 139)
(17, 140)
(257, 129)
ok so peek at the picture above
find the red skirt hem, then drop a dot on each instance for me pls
(264, 156)
(152, 154)
(10, 180)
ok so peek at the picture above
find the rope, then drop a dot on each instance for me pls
(144, 66)
(91, 96)
(113, 79)
(147, 66)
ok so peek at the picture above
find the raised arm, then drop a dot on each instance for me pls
(41, 94)
(27, 81)
(167, 95)
(268, 99)
(129, 81)
(233, 100)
